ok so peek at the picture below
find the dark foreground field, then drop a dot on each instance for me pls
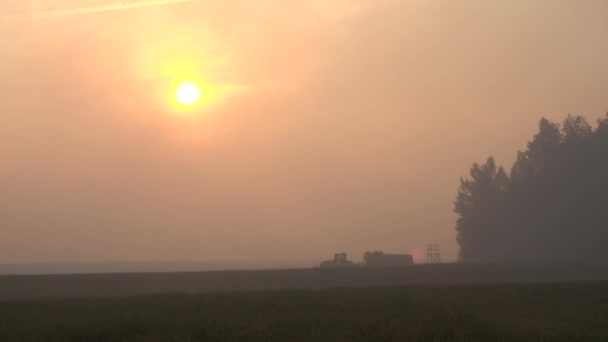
(517, 312)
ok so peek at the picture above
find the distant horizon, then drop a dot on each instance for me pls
(145, 266)
(168, 265)
(175, 265)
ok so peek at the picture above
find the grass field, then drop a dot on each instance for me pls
(516, 312)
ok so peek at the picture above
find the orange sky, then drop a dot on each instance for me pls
(341, 125)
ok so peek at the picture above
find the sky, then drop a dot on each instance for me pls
(323, 127)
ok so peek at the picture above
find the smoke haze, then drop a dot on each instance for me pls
(341, 125)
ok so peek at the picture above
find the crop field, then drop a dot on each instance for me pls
(462, 302)
(508, 312)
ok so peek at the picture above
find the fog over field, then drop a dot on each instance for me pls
(323, 126)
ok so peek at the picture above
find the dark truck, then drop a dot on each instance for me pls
(378, 258)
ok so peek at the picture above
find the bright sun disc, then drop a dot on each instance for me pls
(187, 93)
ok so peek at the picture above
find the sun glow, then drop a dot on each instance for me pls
(192, 89)
(187, 93)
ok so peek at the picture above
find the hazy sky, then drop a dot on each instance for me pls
(337, 125)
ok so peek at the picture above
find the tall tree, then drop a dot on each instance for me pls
(550, 207)
(477, 202)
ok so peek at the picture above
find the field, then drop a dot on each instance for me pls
(131, 284)
(436, 303)
(535, 312)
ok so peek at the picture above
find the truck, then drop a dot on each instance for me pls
(378, 258)
(340, 260)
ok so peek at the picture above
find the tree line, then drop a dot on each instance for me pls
(551, 206)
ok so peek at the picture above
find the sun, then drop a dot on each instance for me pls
(187, 93)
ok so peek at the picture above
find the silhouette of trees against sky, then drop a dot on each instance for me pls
(552, 206)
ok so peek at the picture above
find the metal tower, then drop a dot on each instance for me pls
(432, 254)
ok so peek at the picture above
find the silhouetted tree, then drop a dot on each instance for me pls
(478, 201)
(551, 206)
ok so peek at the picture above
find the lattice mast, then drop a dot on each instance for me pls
(433, 256)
